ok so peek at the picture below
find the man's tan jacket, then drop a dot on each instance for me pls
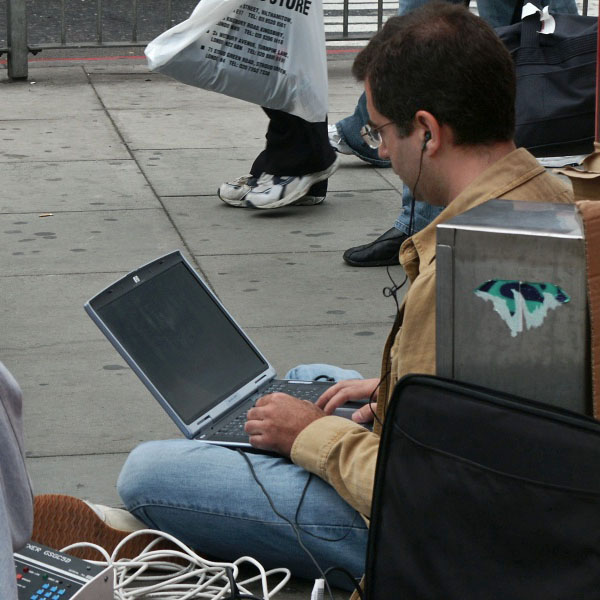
(343, 453)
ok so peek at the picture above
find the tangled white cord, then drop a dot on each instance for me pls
(154, 575)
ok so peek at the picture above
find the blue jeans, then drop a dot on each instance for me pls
(207, 497)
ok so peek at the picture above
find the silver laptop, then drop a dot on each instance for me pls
(189, 352)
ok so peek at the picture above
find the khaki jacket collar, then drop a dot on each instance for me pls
(418, 251)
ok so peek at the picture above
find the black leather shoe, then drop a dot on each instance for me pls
(379, 253)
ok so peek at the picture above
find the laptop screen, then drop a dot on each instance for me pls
(182, 340)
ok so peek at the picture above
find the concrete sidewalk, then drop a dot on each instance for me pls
(105, 166)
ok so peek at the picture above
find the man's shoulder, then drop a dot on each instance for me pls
(534, 183)
(545, 187)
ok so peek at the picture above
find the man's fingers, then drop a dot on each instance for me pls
(267, 400)
(257, 440)
(338, 400)
(342, 392)
(365, 414)
(328, 394)
(264, 400)
(346, 391)
(252, 426)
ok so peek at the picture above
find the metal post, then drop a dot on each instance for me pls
(63, 27)
(16, 17)
(134, 19)
(99, 22)
(169, 15)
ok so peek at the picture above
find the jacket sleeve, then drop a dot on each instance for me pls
(342, 453)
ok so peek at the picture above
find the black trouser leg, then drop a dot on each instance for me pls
(295, 147)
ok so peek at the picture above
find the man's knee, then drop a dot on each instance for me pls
(144, 469)
(133, 471)
(155, 468)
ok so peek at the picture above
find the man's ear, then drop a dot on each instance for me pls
(428, 130)
(426, 138)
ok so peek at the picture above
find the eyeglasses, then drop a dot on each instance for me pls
(371, 134)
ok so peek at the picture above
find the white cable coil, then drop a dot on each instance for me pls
(152, 576)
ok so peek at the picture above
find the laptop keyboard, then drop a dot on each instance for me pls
(235, 427)
(306, 392)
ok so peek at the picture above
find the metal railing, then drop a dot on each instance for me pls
(341, 23)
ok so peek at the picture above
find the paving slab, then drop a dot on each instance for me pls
(101, 401)
(299, 289)
(49, 95)
(148, 90)
(391, 177)
(90, 477)
(82, 137)
(200, 171)
(74, 186)
(45, 310)
(61, 243)
(128, 163)
(352, 346)
(355, 175)
(211, 228)
(194, 171)
(191, 127)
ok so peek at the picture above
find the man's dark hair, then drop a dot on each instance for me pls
(445, 60)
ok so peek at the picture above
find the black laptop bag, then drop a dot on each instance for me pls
(483, 495)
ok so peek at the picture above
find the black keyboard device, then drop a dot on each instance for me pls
(46, 574)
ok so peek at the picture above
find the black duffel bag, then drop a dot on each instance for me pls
(556, 83)
(480, 495)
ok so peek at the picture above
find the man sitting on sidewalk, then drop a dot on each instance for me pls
(440, 94)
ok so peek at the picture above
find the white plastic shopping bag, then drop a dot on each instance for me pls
(269, 52)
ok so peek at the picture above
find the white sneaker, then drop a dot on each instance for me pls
(117, 518)
(336, 140)
(234, 192)
(309, 201)
(273, 191)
